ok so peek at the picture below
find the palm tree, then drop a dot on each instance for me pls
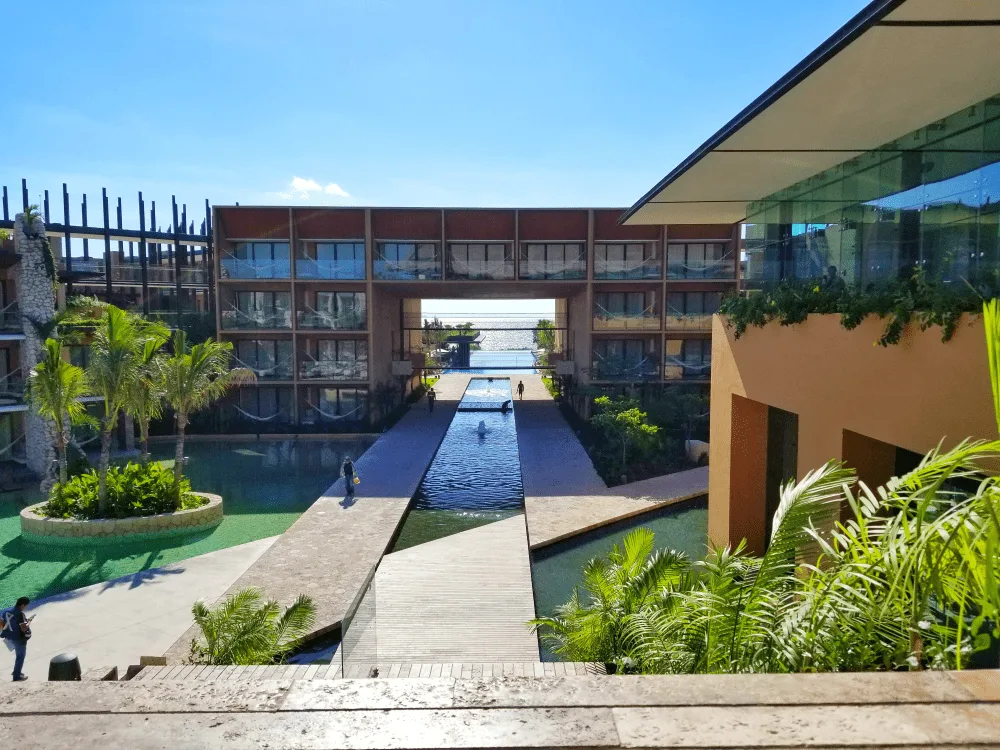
(145, 402)
(243, 630)
(54, 389)
(194, 379)
(117, 352)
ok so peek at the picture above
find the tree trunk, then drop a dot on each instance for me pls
(61, 441)
(179, 456)
(144, 439)
(102, 466)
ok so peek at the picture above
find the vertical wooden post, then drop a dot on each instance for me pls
(107, 244)
(45, 207)
(142, 255)
(209, 258)
(121, 243)
(6, 209)
(66, 241)
(24, 193)
(177, 259)
(86, 242)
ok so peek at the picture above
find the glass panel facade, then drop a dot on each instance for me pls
(334, 406)
(688, 359)
(270, 359)
(408, 261)
(627, 260)
(929, 200)
(335, 359)
(625, 360)
(333, 311)
(265, 405)
(259, 310)
(626, 311)
(692, 310)
(553, 260)
(480, 260)
(256, 260)
(700, 260)
(330, 260)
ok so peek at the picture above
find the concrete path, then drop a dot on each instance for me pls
(330, 551)
(116, 622)
(461, 598)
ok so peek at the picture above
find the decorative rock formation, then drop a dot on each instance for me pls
(36, 297)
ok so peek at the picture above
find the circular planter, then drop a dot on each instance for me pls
(69, 531)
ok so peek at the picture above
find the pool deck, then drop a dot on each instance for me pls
(563, 494)
(330, 551)
(462, 598)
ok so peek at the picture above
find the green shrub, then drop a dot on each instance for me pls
(133, 490)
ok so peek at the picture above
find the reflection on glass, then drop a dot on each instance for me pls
(627, 260)
(480, 260)
(330, 260)
(553, 260)
(625, 360)
(688, 359)
(408, 261)
(256, 260)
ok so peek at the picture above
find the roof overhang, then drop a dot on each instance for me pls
(895, 67)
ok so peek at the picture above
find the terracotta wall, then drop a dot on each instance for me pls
(911, 395)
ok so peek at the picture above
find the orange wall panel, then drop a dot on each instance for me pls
(330, 223)
(406, 224)
(552, 225)
(254, 223)
(479, 225)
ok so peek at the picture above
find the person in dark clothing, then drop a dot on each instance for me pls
(505, 407)
(520, 389)
(431, 395)
(348, 472)
(18, 630)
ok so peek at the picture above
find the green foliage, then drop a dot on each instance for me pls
(4, 235)
(908, 581)
(243, 629)
(133, 490)
(545, 340)
(898, 303)
(623, 423)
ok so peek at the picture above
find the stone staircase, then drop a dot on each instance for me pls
(464, 670)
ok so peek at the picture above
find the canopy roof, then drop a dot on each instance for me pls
(895, 67)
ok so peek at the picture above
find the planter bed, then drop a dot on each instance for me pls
(69, 531)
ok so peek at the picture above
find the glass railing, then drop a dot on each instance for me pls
(553, 270)
(334, 369)
(236, 268)
(256, 320)
(330, 321)
(278, 370)
(487, 270)
(11, 389)
(85, 265)
(408, 270)
(618, 269)
(625, 369)
(623, 322)
(689, 322)
(307, 268)
(679, 369)
(724, 268)
(194, 275)
(132, 274)
(10, 319)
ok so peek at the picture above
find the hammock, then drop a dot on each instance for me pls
(259, 323)
(626, 368)
(258, 372)
(333, 319)
(334, 417)
(10, 446)
(255, 418)
(605, 313)
(259, 269)
(687, 365)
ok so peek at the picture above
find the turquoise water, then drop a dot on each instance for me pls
(558, 569)
(265, 486)
(510, 362)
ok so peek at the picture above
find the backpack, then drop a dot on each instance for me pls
(7, 631)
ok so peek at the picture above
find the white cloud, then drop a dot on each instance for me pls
(306, 188)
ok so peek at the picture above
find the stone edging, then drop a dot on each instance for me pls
(68, 531)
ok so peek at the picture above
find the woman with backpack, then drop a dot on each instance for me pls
(16, 631)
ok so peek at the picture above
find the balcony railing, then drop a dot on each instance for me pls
(334, 369)
(256, 320)
(723, 268)
(651, 268)
(12, 388)
(604, 321)
(553, 270)
(690, 322)
(10, 319)
(314, 319)
(280, 369)
(621, 369)
(307, 268)
(131, 273)
(485, 270)
(681, 369)
(408, 270)
(237, 268)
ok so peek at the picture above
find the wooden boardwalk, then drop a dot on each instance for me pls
(463, 598)
(457, 670)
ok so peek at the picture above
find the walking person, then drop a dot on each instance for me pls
(16, 631)
(431, 395)
(347, 471)
(520, 390)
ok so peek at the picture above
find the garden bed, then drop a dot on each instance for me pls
(38, 528)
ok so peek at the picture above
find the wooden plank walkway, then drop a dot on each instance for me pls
(463, 598)
(403, 670)
(329, 552)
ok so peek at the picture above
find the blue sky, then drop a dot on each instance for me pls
(383, 102)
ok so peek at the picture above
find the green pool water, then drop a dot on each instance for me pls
(557, 570)
(265, 486)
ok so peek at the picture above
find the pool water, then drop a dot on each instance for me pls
(508, 362)
(558, 569)
(475, 477)
(265, 486)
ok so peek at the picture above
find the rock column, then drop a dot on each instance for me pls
(36, 298)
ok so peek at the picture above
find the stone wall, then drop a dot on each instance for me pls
(36, 297)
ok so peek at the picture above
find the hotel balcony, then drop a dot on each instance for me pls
(307, 268)
(12, 389)
(604, 321)
(689, 322)
(632, 260)
(332, 311)
(625, 369)
(553, 261)
(257, 320)
(10, 319)
(334, 369)
(131, 273)
(699, 261)
(268, 359)
(480, 261)
(235, 268)
(408, 261)
(688, 359)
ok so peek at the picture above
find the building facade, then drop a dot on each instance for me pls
(324, 303)
(876, 159)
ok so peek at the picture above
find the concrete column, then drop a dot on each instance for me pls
(36, 295)
(747, 507)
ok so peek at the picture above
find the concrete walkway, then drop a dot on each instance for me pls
(461, 598)
(330, 551)
(116, 622)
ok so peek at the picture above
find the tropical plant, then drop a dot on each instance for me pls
(621, 420)
(243, 629)
(54, 390)
(194, 379)
(133, 490)
(117, 353)
(145, 402)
